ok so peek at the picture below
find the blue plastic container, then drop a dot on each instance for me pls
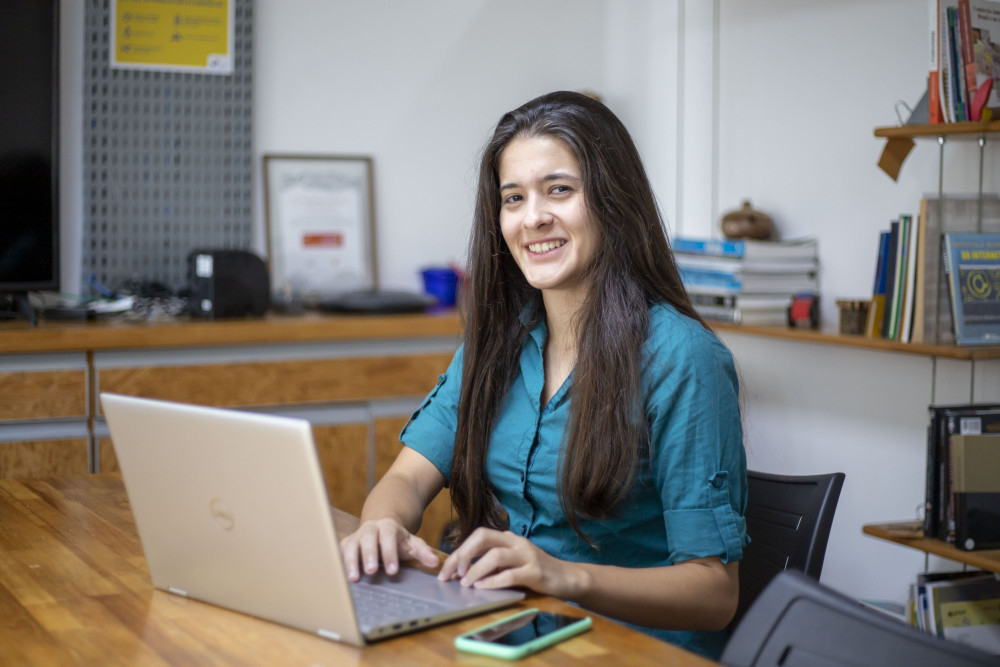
(442, 284)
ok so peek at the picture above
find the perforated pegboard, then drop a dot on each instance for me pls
(167, 160)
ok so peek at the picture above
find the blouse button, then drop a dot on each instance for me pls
(717, 481)
(524, 529)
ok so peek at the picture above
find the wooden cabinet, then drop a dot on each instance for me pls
(357, 379)
(43, 415)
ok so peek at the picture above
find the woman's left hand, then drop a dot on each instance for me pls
(494, 559)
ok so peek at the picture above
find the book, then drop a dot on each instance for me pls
(966, 610)
(956, 213)
(984, 24)
(947, 78)
(765, 317)
(890, 284)
(934, 114)
(876, 311)
(737, 265)
(957, 67)
(943, 422)
(975, 486)
(910, 282)
(747, 249)
(972, 268)
(968, 59)
(740, 300)
(726, 282)
(895, 299)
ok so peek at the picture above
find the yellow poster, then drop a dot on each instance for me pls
(175, 35)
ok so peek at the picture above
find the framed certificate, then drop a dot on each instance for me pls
(320, 224)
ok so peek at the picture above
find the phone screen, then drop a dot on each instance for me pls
(523, 629)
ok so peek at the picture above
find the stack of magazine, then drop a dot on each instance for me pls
(960, 606)
(746, 281)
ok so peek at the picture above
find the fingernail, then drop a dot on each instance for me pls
(391, 568)
(352, 574)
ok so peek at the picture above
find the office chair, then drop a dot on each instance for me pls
(796, 621)
(788, 521)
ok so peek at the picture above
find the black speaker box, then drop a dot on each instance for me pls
(227, 283)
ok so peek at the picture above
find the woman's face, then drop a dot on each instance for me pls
(543, 215)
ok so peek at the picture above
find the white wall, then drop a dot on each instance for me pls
(772, 100)
(419, 86)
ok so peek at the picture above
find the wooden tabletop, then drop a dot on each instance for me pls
(75, 589)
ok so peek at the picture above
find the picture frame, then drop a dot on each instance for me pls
(320, 225)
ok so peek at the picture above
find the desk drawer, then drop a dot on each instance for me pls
(43, 387)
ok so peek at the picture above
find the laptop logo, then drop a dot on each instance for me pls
(222, 514)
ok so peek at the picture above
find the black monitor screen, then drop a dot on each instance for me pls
(29, 82)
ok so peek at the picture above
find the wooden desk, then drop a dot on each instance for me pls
(908, 534)
(74, 589)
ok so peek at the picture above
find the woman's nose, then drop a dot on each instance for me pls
(536, 214)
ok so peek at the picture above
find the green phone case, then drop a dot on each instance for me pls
(465, 643)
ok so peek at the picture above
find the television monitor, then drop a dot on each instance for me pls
(29, 147)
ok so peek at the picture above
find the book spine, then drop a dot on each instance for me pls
(890, 284)
(931, 488)
(899, 278)
(701, 278)
(710, 247)
(944, 69)
(968, 54)
(957, 67)
(933, 82)
(876, 311)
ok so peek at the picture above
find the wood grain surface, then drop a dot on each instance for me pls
(75, 590)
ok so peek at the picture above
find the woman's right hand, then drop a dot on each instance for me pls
(385, 541)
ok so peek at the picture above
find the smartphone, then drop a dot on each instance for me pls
(521, 634)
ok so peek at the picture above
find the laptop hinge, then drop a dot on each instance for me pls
(177, 591)
(328, 634)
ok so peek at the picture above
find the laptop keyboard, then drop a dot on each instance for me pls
(376, 603)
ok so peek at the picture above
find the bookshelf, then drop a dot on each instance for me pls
(968, 130)
(830, 338)
(909, 534)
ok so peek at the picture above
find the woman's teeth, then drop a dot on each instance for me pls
(539, 248)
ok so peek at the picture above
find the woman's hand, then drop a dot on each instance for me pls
(386, 538)
(494, 559)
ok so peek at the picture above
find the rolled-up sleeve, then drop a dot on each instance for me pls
(696, 448)
(430, 430)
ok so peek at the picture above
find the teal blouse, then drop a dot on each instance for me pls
(689, 495)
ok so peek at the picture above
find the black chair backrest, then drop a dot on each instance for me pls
(788, 521)
(797, 621)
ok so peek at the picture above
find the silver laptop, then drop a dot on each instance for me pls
(231, 509)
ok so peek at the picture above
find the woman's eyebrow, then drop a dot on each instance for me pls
(554, 176)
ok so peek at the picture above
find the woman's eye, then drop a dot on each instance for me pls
(560, 189)
(512, 199)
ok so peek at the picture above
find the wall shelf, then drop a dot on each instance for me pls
(901, 533)
(964, 130)
(844, 340)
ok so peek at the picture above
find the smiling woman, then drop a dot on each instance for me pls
(589, 427)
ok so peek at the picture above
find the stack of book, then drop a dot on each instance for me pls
(892, 312)
(962, 490)
(964, 49)
(746, 281)
(912, 299)
(960, 606)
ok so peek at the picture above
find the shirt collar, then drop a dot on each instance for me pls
(540, 332)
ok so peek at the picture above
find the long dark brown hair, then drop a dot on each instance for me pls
(632, 269)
